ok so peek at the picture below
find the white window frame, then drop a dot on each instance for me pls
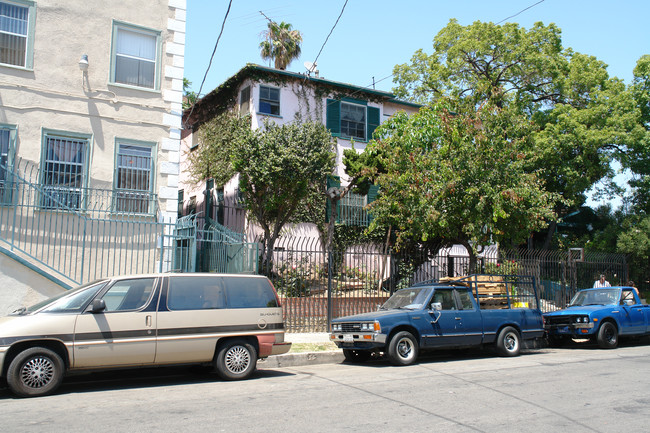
(364, 123)
(130, 200)
(28, 61)
(121, 26)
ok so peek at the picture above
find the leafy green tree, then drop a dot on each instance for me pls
(281, 44)
(278, 166)
(639, 158)
(459, 178)
(582, 117)
(189, 97)
(217, 138)
(635, 242)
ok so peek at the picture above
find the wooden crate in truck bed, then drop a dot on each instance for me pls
(491, 290)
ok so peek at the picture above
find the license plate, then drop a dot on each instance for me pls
(347, 338)
(563, 330)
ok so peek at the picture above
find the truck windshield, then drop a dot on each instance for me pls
(413, 298)
(596, 297)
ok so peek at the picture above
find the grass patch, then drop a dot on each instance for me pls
(312, 347)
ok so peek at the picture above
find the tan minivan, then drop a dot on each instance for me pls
(227, 321)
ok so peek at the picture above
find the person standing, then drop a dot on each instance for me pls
(602, 282)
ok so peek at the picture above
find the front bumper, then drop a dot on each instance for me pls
(358, 340)
(573, 329)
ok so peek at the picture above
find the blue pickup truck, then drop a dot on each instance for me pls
(601, 315)
(499, 311)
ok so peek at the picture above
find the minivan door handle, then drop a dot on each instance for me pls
(147, 321)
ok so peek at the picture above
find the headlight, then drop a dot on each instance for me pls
(336, 327)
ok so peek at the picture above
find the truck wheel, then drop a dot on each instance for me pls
(34, 372)
(403, 349)
(508, 342)
(356, 355)
(607, 336)
(236, 360)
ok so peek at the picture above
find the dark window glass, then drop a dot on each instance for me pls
(446, 298)
(269, 100)
(195, 293)
(353, 121)
(245, 292)
(64, 172)
(465, 301)
(133, 189)
(128, 295)
(13, 34)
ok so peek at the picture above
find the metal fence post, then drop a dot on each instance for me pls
(329, 289)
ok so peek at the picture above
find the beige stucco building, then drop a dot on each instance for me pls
(91, 105)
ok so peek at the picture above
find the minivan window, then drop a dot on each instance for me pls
(70, 302)
(127, 295)
(195, 293)
(249, 293)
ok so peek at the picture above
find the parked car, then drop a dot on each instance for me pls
(225, 321)
(459, 313)
(601, 315)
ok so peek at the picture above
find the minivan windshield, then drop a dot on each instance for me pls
(411, 299)
(71, 301)
(603, 296)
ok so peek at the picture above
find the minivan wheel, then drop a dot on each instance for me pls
(34, 372)
(236, 360)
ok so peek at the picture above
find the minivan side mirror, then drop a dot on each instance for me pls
(97, 306)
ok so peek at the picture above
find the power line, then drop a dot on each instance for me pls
(223, 24)
(330, 34)
(523, 10)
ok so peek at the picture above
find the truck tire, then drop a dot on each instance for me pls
(403, 349)
(508, 342)
(356, 355)
(607, 336)
(236, 360)
(35, 372)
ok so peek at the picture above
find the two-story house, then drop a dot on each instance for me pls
(350, 112)
(90, 128)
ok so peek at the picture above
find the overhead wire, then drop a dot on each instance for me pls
(330, 33)
(223, 24)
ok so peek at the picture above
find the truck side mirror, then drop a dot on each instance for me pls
(629, 302)
(436, 306)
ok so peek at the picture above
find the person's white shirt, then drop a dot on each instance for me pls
(598, 283)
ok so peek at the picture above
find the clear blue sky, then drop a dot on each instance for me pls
(372, 36)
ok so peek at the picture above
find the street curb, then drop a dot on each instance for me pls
(299, 359)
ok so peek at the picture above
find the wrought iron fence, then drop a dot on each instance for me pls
(316, 286)
(79, 240)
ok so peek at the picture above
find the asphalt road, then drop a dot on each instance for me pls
(574, 389)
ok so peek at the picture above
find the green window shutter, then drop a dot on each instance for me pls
(372, 196)
(332, 181)
(373, 121)
(372, 193)
(333, 117)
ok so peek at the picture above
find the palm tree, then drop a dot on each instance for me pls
(282, 44)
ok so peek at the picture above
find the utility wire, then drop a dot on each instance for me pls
(330, 34)
(523, 10)
(223, 24)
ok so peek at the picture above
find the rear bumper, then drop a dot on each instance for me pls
(272, 344)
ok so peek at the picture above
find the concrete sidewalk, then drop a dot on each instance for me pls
(307, 348)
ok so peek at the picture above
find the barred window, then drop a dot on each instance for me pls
(5, 146)
(63, 173)
(135, 57)
(133, 178)
(14, 30)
